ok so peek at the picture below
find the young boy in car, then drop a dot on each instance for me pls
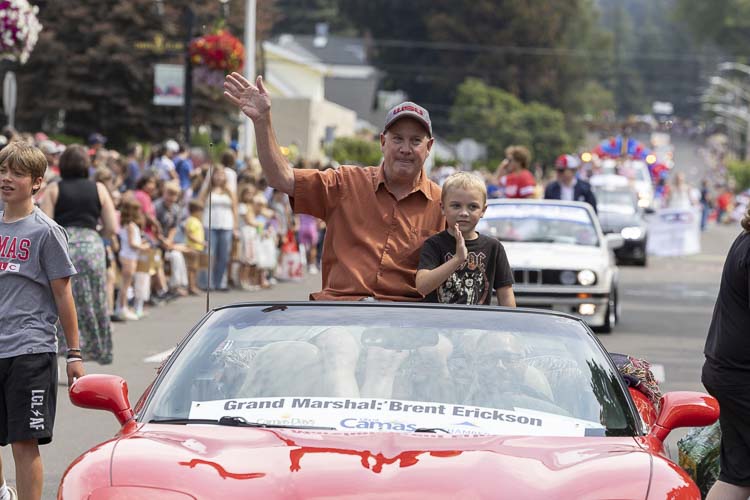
(35, 291)
(459, 265)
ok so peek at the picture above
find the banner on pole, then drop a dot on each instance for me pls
(674, 231)
(169, 84)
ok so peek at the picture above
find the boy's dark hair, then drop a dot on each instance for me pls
(145, 179)
(131, 149)
(74, 162)
(228, 158)
(195, 206)
(22, 157)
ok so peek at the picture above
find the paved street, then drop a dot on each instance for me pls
(666, 311)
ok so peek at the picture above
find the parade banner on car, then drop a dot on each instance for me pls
(392, 415)
(673, 232)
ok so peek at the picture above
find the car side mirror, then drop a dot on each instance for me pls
(684, 409)
(103, 392)
(614, 241)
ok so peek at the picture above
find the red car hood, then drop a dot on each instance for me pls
(223, 462)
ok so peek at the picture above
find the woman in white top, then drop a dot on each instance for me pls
(224, 224)
(679, 195)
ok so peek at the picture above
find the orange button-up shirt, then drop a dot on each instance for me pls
(372, 241)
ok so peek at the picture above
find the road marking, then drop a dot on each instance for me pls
(158, 358)
(659, 373)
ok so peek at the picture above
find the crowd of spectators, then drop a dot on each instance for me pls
(158, 215)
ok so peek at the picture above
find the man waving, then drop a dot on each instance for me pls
(377, 217)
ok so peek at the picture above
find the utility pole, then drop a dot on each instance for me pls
(247, 131)
(618, 20)
(188, 106)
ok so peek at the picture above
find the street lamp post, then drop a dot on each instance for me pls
(188, 105)
(247, 134)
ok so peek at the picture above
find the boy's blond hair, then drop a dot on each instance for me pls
(172, 187)
(464, 180)
(22, 157)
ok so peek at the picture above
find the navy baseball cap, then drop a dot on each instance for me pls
(97, 138)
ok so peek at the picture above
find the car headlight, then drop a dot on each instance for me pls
(631, 233)
(586, 277)
(568, 278)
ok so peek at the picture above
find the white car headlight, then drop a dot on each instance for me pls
(631, 233)
(586, 277)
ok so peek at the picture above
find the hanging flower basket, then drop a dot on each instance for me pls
(19, 29)
(218, 51)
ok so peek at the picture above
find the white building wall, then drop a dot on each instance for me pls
(305, 122)
(303, 81)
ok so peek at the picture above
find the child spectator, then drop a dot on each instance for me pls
(248, 239)
(131, 243)
(267, 249)
(308, 238)
(169, 215)
(35, 291)
(195, 240)
(459, 265)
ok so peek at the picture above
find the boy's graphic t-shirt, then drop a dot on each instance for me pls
(33, 252)
(486, 269)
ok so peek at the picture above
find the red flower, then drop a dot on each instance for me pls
(218, 51)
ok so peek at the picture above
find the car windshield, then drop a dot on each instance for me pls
(615, 201)
(539, 223)
(405, 369)
(642, 175)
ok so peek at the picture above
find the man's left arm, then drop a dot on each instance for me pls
(66, 309)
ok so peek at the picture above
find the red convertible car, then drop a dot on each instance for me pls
(373, 400)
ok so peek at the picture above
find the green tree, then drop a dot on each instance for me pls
(740, 170)
(498, 119)
(299, 17)
(88, 73)
(533, 51)
(656, 56)
(595, 99)
(724, 22)
(356, 151)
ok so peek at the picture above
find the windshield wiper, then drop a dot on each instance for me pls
(235, 422)
(431, 430)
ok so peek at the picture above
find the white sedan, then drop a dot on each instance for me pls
(560, 258)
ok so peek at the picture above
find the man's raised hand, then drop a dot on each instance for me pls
(253, 100)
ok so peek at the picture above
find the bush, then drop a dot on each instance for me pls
(740, 170)
(354, 151)
(498, 119)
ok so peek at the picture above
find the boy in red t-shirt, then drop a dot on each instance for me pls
(515, 179)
